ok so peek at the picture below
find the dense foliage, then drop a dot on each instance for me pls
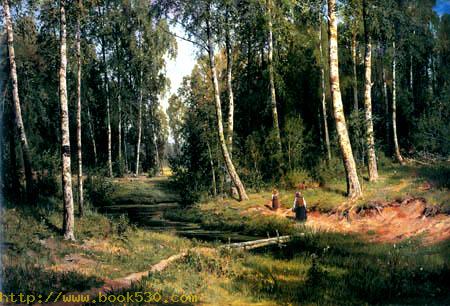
(421, 51)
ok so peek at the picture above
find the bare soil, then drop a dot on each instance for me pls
(379, 222)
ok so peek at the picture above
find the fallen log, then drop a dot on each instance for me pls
(249, 245)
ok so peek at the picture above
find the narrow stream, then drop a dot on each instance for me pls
(150, 216)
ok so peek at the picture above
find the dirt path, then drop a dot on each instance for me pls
(383, 222)
(113, 285)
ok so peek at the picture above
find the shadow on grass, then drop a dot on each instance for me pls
(438, 175)
(334, 190)
(33, 280)
(344, 270)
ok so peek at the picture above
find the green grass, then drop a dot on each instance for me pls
(316, 269)
(35, 255)
(143, 190)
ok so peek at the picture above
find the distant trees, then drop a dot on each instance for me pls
(256, 59)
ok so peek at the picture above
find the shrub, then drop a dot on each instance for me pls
(99, 191)
(293, 178)
(329, 171)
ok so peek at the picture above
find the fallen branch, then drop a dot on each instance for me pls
(249, 245)
(125, 283)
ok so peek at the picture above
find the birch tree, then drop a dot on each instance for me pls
(370, 139)
(79, 148)
(26, 155)
(273, 96)
(323, 88)
(218, 106)
(229, 54)
(68, 219)
(353, 186)
(106, 87)
(398, 156)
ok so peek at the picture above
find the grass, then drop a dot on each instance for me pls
(316, 269)
(37, 259)
(142, 191)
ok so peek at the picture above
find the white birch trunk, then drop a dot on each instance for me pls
(386, 106)
(273, 96)
(229, 164)
(68, 220)
(353, 186)
(26, 156)
(79, 147)
(398, 156)
(230, 125)
(139, 125)
(370, 138)
(108, 108)
(355, 75)
(323, 88)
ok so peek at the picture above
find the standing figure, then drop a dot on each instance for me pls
(299, 207)
(275, 200)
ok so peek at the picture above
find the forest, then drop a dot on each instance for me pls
(116, 180)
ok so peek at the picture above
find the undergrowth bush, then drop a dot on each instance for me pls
(99, 190)
(295, 177)
(329, 171)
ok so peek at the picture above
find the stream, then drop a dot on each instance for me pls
(145, 208)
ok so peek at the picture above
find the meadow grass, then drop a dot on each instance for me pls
(37, 259)
(315, 269)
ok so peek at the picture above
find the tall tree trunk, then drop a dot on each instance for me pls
(213, 171)
(223, 145)
(386, 107)
(119, 108)
(108, 108)
(353, 186)
(125, 151)
(91, 131)
(139, 124)
(430, 77)
(79, 150)
(15, 183)
(273, 96)
(68, 220)
(26, 156)
(119, 127)
(411, 76)
(370, 138)
(323, 88)
(157, 159)
(398, 156)
(355, 75)
(230, 125)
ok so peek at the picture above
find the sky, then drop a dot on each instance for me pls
(442, 7)
(179, 67)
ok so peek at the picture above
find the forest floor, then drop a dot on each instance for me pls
(334, 261)
(406, 201)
